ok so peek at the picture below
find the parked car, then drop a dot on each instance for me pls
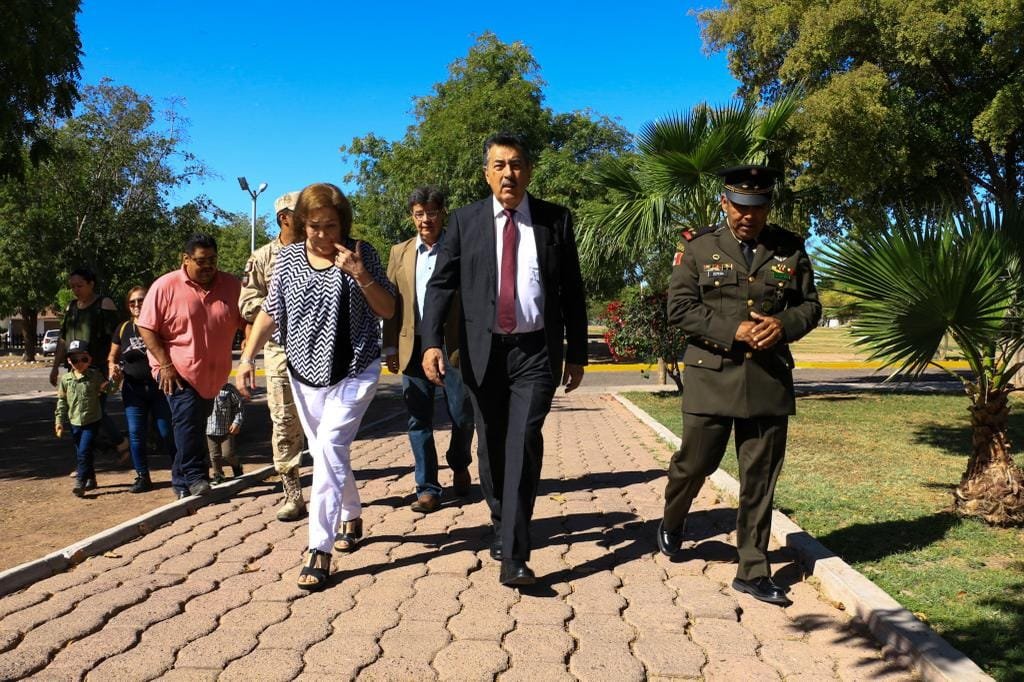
(50, 341)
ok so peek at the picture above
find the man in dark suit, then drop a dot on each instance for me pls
(513, 259)
(741, 291)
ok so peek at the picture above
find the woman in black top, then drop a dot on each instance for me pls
(92, 318)
(139, 392)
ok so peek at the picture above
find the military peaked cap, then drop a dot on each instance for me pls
(749, 185)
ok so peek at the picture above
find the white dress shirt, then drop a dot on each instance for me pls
(529, 301)
(426, 257)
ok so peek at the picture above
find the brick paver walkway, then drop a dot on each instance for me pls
(213, 596)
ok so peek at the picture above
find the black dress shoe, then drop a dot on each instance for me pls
(669, 542)
(763, 589)
(516, 572)
(495, 549)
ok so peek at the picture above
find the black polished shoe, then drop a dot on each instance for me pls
(515, 572)
(495, 549)
(669, 542)
(763, 589)
(199, 488)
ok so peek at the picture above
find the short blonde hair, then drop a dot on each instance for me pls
(321, 195)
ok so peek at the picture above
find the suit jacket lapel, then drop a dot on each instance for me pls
(762, 255)
(409, 277)
(541, 235)
(485, 220)
(731, 248)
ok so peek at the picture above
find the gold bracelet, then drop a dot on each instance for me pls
(167, 365)
(368, 284)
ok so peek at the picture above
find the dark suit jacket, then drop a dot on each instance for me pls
(467, 264)
(400, 330)
(711, 291)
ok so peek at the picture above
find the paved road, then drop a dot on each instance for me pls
(213, 595)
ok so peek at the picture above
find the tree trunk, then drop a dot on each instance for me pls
(993, 486)
(29, 317)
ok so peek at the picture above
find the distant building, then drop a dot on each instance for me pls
(47, 319)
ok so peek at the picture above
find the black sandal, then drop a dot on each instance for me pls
(315, 567)
(349, 536)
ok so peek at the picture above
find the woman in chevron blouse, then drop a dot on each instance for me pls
(325, 297)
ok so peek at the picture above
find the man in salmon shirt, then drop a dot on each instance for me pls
(188, 321)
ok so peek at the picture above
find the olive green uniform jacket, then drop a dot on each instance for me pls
(712, 291)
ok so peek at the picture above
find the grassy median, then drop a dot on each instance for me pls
(871, 476)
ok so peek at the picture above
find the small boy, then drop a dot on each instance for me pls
(78, 402)
(221, 428)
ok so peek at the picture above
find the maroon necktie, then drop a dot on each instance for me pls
(507, 281)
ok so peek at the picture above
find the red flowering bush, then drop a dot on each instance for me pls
(637, 329)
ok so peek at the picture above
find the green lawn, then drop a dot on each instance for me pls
(871, 476)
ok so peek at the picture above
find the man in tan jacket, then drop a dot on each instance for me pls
(409, 268)
(287, 438)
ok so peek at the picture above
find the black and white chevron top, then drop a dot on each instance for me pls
(304, 303)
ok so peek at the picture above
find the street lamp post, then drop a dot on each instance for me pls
(252, 225)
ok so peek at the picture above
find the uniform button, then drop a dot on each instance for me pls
(700, 362)
(717, 283)
(750, 279)
(750, 301)
(748, 355)
(782, 284)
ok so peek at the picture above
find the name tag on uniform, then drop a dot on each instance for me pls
(717, 269)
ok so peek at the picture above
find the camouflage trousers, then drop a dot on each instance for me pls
(287, 437)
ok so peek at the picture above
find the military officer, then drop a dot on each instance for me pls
(286, 430)
(741, 291)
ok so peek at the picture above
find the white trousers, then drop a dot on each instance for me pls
(330, 417)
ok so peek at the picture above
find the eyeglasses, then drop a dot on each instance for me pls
(79, 360)
(135, 302)
(420, 215)
(203, 262)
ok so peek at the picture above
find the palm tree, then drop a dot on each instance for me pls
(670, 182)
(963, 276)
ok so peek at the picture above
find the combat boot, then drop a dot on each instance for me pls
(294, 507)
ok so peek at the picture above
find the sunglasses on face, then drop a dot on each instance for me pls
(79, 360)
(135, 301)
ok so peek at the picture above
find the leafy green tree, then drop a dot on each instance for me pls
(233, 240)
(99, 200)
(910, 102)
(40, 57)
(496, 87)
(963, 277)
(670, 184)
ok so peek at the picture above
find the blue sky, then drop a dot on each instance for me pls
(272, 89)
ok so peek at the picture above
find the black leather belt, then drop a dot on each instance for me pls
(509, 340)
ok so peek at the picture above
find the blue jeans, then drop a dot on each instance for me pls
(418, 392)
(142, 399)
(107, 423)
(189, 412)
(84, 437)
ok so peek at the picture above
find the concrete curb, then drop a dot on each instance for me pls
(22, 575)
(25, 574)
(889, 622)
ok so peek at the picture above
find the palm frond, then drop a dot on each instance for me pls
(918, 284)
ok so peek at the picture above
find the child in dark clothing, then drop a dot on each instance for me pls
(223, 425)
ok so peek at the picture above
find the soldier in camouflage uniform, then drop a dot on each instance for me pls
(287, 437)
(741, 291)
